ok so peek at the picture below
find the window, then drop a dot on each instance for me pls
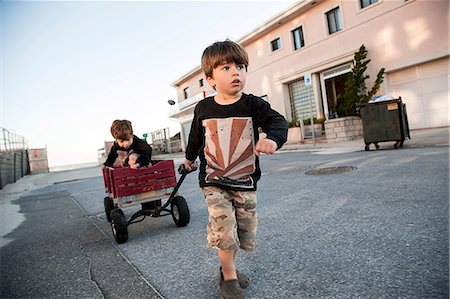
(301, 98)
(365, 3)
(186, 92)
(334, 20)
(200, 82)
(276, 44)
(297, 36)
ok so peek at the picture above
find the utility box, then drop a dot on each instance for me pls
(384, 121)
(38, 160)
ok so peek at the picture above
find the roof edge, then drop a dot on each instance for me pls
(282, 17)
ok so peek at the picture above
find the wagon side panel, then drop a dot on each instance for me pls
(106, 180)
(134, 181)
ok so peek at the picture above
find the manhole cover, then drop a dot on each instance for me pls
(330, 170)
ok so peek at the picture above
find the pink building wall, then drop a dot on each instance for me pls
(409, 38)
(397, 35)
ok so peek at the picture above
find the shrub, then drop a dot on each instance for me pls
(355, 90)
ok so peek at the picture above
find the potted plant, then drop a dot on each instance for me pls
(294, 132)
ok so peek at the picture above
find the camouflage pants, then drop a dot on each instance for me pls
(232, 218)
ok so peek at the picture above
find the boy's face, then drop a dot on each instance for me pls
(125, 143)
(228, 78)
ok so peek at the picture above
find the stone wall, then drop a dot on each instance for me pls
(343, 129)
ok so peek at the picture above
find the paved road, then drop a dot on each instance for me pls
(59, 252)
(380, 230)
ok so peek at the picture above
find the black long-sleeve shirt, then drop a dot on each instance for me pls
(138, 147)
(224, 138)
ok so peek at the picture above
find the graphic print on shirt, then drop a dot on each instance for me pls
(229, 151)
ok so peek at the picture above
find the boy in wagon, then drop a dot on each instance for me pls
(128, 149)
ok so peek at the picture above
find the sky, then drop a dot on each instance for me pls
(69, 68)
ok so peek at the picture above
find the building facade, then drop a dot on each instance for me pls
(299, 59)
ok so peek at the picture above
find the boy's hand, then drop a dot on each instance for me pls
(187, 164)
(121, 156)
(135, 166)
(266, 146)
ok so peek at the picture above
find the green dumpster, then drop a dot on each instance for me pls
(384, 121)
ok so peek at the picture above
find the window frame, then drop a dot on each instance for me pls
(302, 37)
(337, 17)
(371, 2)
(280, 44)
(186, 93)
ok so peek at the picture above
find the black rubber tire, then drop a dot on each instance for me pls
(109, 206)
(180, 211)
(119, 226)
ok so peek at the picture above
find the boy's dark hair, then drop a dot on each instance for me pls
(223, 52)
(122, 129)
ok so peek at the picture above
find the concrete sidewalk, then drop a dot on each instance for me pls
(419, 138)
(10, 217)
(57, 251)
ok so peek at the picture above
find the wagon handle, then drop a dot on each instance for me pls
(183, 170)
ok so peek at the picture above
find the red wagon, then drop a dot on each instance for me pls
(147, 186)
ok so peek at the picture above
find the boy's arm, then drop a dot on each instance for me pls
(272, 123)
(145, 152)
(112, 156)
(195, 139)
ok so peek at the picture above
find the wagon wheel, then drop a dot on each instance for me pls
(119, 226)
(180, 211)
(109, 205)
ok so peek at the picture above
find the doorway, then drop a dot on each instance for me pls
(334, 88)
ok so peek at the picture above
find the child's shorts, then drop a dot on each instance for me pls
(232, 218)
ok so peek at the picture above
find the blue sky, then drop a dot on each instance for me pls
(68, 69)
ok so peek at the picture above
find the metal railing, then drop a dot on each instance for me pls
(10, 141)
(13, 157)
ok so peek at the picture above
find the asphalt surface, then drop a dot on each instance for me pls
(59, 252)
(379, 230)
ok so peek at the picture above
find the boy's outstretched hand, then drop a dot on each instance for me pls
(266, 146)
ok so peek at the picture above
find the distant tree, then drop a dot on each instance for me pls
(355, 90)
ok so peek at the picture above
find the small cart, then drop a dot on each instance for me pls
(147, 186)
(385, 121)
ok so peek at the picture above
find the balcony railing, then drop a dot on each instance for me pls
(192, 100)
